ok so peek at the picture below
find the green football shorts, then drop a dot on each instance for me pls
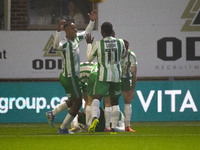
(72, 86)
(104, 88)
(91, 81)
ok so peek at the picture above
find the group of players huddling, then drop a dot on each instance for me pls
(113, 73)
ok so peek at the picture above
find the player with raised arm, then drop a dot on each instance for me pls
(109, 52)
(69, 77)
(129, 70)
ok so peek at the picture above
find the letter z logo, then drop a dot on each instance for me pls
(192, 14)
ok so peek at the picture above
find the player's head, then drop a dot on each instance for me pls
(70, 30)
(106, 29)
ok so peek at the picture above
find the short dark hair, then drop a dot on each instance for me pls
(67, 23)
(107, 28)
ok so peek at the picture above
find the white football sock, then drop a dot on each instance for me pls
(60, 108)
(68, 119)
(90, 121)
(88, 114)
(108, 116)
(95, 108)
(74, 123)
(115, 115)
(127, 113)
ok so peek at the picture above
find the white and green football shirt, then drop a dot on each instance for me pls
(109, 52)
(85, 70)
(70, 51)
(128, 62)
(70, 55)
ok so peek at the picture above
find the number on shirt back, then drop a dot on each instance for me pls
(111, 49)
(110, 53)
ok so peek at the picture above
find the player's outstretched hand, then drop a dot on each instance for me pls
(93, 15)
(60, 26)
(89, 39)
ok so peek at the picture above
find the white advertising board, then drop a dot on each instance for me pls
(164, 34)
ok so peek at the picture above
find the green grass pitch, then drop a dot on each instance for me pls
(148, 136)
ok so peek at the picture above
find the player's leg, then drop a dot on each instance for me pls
(75, 125)
(95, 113)
(101, 125)
(74, 94)
(127, 110)
(90, 87)
(72, 112)
(127, 94)
(88, 111)
(100, 89)
(85, 97)
(120, 126)
(82, 121)
(107, 113)
(115, 92)
(115, 113)
(61, 107)
(50, 115)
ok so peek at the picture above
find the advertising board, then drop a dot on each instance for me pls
(25, 102)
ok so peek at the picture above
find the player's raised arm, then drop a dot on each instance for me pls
(56, 39)
(93, 17)
(89, 40)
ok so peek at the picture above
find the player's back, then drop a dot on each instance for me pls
(127, 62)
(85, 70)
(110, 51)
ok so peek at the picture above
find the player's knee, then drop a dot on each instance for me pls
(114, 101)
(69, 103)
(127, 100)
(77, 104)
(74, 109)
